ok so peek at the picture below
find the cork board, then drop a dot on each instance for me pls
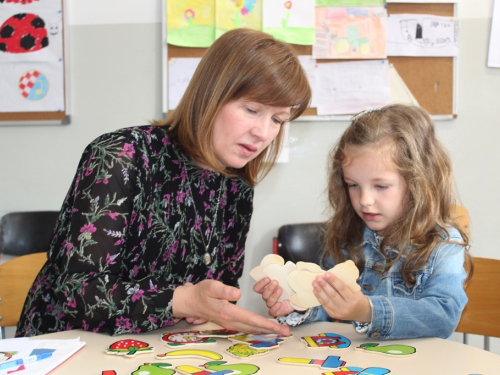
(430, 79)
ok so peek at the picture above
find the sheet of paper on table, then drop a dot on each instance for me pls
(21, 347)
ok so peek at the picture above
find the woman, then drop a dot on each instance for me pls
(154, 225)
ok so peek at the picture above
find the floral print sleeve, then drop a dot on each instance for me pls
(136, 223)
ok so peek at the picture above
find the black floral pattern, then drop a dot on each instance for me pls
(128, 235)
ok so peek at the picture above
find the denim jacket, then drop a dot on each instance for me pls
(432, 307)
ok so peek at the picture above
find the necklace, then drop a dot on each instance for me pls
(206, 257)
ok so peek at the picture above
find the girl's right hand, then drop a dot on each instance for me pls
(271, 292)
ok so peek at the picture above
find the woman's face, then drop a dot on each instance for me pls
(243, 129)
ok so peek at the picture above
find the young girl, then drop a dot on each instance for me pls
(391, 190)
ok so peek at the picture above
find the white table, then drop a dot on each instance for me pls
(434, 356)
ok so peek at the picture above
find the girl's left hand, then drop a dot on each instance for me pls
(339, 301)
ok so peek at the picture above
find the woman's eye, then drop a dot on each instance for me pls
(250, 110)
(277, 121)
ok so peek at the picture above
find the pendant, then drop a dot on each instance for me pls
(207, 258)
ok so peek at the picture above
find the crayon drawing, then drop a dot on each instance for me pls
(291, 21)
(232, 14)
(350, 33)
(191, 23)
(350, 3)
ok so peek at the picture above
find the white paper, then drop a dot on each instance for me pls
(32, 87)
(309, 66)
(400, 93)
(180, 72)
(350, 87)
(421, 35)
(284, 156)
(494, 50)
(63, 349)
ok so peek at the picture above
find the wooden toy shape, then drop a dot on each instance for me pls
(153, 369)
(259, 342)
(302, 278)
(329, 362)
(394, 350)
(326, 340)
(223, 333)
(109, 372)
(243, 351)
(129, 348)
(280, 273)
(257, 274)
(358, 371)
(178, 339)
(219, 368)
(196, 353)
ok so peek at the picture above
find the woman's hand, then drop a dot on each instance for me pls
(209, 300)
(339, 301)
(271, 292)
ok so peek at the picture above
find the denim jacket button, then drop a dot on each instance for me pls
(368, 288)
(376, 335)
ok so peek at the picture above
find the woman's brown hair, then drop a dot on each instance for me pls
(242, 63)
(421, 159)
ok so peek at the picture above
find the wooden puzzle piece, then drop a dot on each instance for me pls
(329, 362)
(260, 341)
(257, 274)
(302, 278)
(129, 348)
(280, 273)
(394, 350)
(178, 339)
(326, 340)
(6, 356)
(153, 369)
(223, 333)
(196, 353)
(219, 368)
(243, 351)
(109, 372)
(358, 371)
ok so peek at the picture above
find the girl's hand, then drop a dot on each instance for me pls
(271, 292)
(210, 300)
(339, 301)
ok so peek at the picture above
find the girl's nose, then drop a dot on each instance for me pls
(366, 199)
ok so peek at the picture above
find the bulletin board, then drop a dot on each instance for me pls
(33, 71)
(431, 80)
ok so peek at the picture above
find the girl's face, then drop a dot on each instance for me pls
(376, 189)
(243, 129)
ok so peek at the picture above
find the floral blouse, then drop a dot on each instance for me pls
(135, 224)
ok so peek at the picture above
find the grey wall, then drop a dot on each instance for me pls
(115, 78)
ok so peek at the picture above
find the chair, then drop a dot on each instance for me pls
(481, 315)
(300, 242)
(16, 277)
(24, 233)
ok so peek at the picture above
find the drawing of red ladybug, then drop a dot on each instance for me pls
(18, 1)
(23, 32)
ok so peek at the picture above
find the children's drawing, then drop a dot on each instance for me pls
(129, 348)
(329, 362)
(219, 368)
(326, 340)
(350, 370)
(291, 21)
(421, 35)
(350, 3)
(390, 350)
(33, 85)
(233, 14)
(177, 339)
(196, 353)
(350, 33)
(243, 351)
(23, 33)
(154, 369)
(191, 23)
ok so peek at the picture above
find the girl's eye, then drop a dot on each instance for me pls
(381, 187)
(351, 186)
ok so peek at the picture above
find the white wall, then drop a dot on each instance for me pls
(115, 78)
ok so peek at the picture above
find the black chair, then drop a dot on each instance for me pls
(300, 242)
(23, 233)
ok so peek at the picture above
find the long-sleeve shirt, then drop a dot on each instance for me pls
(140, 219)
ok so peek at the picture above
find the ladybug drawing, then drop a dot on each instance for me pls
(129, 348)
(18, 1)
(23, 32)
